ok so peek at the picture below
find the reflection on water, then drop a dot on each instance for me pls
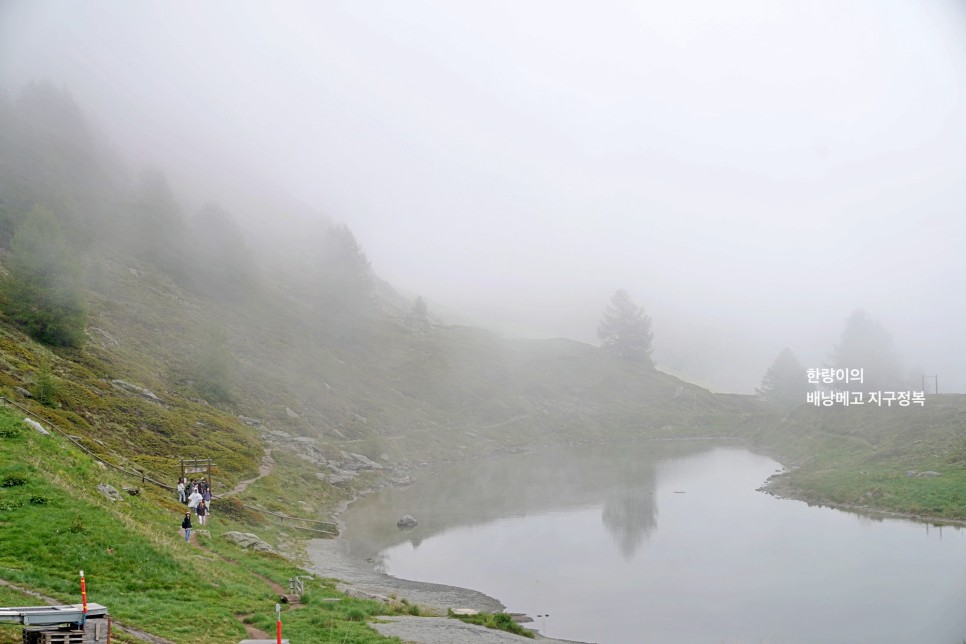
(574, 535)
(545, 481)
(630, 516)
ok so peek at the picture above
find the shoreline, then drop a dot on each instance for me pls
(359, 578)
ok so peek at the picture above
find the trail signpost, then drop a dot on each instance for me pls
(196, 466)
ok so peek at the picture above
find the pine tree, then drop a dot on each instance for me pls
(222, 265)
(785, 382)
(625, 331)
(868, 346)
(344, 279)
(44, 292)
(45, 385)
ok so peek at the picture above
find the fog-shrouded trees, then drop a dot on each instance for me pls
(785, 383)
(343, 281)
(50, 156)
(155, 229)
(214, 368)
(222, 264)
(866, 345)
(44, 291)
(625, 330)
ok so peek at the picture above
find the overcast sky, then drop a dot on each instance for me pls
(750, 172)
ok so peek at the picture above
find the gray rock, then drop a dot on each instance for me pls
(290, 413)
(406, 522)
(251, 422)
(365, 463)
(23, 392)
(929, 474)
(110, 492)
(339, 477)
(134, 389)
(33, 423)
(248, 540)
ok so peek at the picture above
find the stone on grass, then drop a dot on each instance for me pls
(109, 491)
(33, 423)
(248, 540)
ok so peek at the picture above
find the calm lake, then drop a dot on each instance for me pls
(667, 542)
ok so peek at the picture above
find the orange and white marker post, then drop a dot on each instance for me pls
(278, 623)
(83, 595)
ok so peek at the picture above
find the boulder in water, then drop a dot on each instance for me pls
(406, 522)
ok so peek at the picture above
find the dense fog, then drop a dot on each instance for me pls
(750, 172)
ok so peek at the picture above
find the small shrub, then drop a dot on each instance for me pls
(9, 432)
(13, 480)
(77, 526)
(499, 621)
(39, 500)
(232, 508)
(9, 505)
(355, 615)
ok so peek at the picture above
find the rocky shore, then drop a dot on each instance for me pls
(331, 558)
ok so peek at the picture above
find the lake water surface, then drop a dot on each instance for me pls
(667, 542)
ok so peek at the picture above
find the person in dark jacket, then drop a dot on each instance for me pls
(202, 511)
(186, 525)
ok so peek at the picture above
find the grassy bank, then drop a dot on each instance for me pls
(908, 460)
(54, 522)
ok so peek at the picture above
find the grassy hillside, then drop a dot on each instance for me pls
(910, 460)
(185, 358)
(54, 523)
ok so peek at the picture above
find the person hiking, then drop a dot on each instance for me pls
(202, 511)
(194, 499)
(181, 496)
(186, 526)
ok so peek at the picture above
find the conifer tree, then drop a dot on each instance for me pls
(44, 291)
(866, 345)
(785, 382)
(625, 330)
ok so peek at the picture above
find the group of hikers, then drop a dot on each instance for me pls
(197, 495)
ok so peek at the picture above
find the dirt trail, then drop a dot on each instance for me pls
(267, 467)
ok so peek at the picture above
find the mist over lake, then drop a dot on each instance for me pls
(659, 542)
(566, 282)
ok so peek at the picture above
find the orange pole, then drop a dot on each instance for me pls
(278, 624)
(83, 597)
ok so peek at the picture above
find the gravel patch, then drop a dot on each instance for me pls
(443, 630)
(331, 558)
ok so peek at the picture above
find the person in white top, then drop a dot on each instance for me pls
(194, 499)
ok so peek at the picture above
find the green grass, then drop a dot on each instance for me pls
(53, 523)
(861, 457)
(499, 621)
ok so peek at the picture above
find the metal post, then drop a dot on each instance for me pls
(278, 624)
(83, 596)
